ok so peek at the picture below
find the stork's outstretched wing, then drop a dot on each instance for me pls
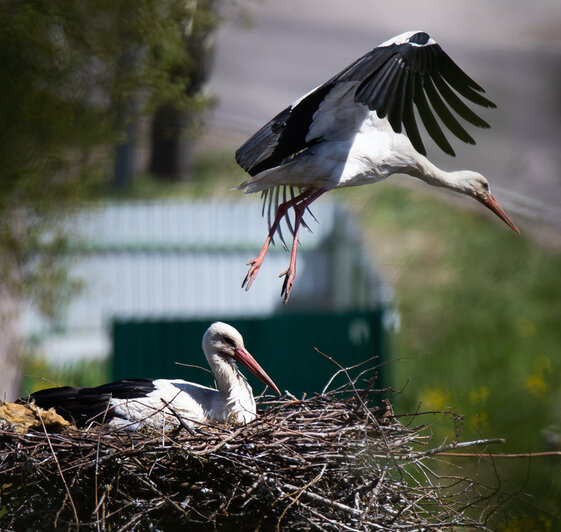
(409, 71)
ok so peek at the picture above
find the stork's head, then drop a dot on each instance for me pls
(476, 186)
(224, 341)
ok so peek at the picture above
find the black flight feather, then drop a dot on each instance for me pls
(82, 405)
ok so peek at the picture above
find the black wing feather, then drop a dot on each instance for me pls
(409, 118)
(395, 112)
(428, 119)
(282, 137)
(418, 69)
(460, 81)
(455, 103)
(376, 91)
(444, 113)
(82, 405)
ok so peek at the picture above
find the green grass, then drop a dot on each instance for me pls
(480, 309)
(39, 374)
(480, 330)
(480, 314)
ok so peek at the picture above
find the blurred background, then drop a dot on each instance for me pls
(121, 237)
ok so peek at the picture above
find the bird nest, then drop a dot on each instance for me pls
(328, 462)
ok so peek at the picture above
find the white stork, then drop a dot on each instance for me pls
(159, 403)
(358, 128)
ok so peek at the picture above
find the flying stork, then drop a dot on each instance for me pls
(360, 127)
(131, 404)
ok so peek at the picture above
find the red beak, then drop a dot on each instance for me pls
(491, 203)
(243, 357)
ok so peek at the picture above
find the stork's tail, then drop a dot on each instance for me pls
(272, 198)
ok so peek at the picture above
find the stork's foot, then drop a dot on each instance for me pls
(289, 276)
(252, 273)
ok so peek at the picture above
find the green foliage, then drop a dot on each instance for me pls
(39, 374)
(480, 305)
(70, 70)
(214, 175)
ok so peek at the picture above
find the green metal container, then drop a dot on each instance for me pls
(284, 345)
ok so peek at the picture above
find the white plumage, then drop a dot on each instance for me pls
(159, 403)
(360, 127)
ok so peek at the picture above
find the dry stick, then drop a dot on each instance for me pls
(219, 445)
(97, 509)
(61, 475)
(183, 364)
(165, 498)
(340, 370)
(458, 445)
(98, 504)
(98, 524)
(502, 455)
(374, 494)
(314, 522)
(179, 418)
(130, 524)
(121, 509)
(402, 510)
(352, 383)
(319, 498)
(338, 525)
(363, 404)
(300, 491)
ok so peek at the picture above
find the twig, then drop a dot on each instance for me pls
(300, 491)
(218, 446)
(151, 487)
(458, 445)
(323, 500)
(61, 474)
(179, 418)
(501, 455)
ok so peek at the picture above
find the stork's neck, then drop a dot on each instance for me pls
(431, 174)
(233, 387)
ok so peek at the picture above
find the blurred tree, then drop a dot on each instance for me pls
(70, 72)
(173, 123)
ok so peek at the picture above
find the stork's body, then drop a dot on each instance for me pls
(158, 403)
(360, 128)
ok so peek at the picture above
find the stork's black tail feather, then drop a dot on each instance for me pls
(272, 199)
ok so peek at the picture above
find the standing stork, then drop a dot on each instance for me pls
(359, 128)
(159, 403)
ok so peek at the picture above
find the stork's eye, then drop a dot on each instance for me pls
(486, 187)
(230, 341)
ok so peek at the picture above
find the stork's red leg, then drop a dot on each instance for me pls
(256, 262)
(290, 273)
(305, 198)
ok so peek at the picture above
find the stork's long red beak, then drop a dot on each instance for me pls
(243, 357)
(491, 203)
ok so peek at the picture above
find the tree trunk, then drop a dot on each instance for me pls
(171, 142)
(171, 147)
(11, 361)
(125, 153)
